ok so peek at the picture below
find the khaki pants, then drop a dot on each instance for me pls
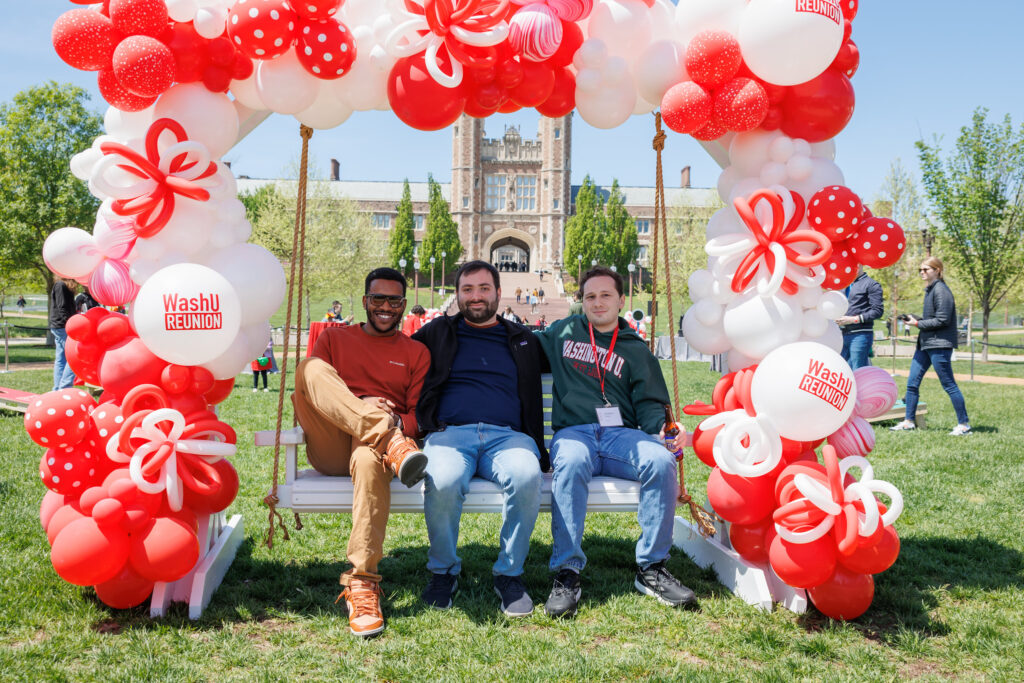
(343, 437)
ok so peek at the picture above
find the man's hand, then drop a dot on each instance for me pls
(382, 404)
(847, 319)
(911, 320)
(678, 442)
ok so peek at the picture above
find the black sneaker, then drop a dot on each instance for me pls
(658, 583)
(438, 593)
(565, 594)
(515, 601)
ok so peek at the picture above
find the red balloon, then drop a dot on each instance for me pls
(418, 100)
(835, 211)
(326, 48)
(222, 498)
(712, 130)
(537, 84)
(165, 550)
(221, 390)
(750, 541)
(119, 96)
(849, 8)
(876, 558)
(189, 52)
(846, 595)
(879, 243)
(128, 364)
(139, 17)
(740, 500)
(59, 419)
(803, 565)
(316, 10)
(117, 484)
(713, 57)
(741, 104)
(703, 441)
(61, 518)
(71, 470)
(125, 590)
(84, 553)
(262, 29)
(563, 96)
(144, 66)
(841, 267)
(51, 502)
(818, 109)
(572, 38)
(85, 39)
(847, 61)
(686, 107)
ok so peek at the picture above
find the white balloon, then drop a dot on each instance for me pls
(781, 149)
(801, 147)
(773, 173)
(608, 108)
(188, 228)
(615, 72)
(823, 174)
(659, 67)
(126, 125)
(799, 168)
(326, 112)
(588, 81)
(833, 337)
(694, 16)
(724, 222)
(83, 163)
(284, 85)
(209, 118)
(704, 338)
(209, 22)
(786, 43)
(593, 53)
(663, 25)
(809, 296)
(726, 180)
(825, 149)
(757, 325)
(624, 26)
(708, 312)
(745, 188)
(182, 10)
(749, 151)
(245, 92)
(257, 277)
(699, 284)
(805, 389)
(71, 253)
(815, 324)
(737, 361)
(643, 107)
(232, 360)
(187, 314)
(365, 87)
(832, 305)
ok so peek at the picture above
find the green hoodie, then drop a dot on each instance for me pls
(633, 379)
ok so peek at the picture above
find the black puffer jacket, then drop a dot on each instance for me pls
(439, 336)
(938, 318)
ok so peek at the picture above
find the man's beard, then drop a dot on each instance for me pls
(372, 321)
(490, 308)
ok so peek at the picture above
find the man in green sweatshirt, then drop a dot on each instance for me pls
(609, 399)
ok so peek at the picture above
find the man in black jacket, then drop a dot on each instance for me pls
(481, 406)
(864, 308)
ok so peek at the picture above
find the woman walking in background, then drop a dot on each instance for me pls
(935, 343)
(263, 365)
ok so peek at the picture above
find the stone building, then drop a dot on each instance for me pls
(512, 196)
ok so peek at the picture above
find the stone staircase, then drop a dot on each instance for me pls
(554, 308)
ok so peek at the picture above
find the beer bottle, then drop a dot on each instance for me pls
(671, 431)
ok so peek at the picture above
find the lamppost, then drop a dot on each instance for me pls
(631, 268)
(443, 255)
(431, 281)
(401, 264)
(579, 267)
(416, 286)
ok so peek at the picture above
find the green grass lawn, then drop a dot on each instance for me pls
(952, 606)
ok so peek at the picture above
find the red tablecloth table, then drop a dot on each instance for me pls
(314, 331)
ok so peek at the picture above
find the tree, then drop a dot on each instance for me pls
(40, 130)
(620, 242)
(442, 233)
(686, 239)
(978, 197)
(585, 228)
(403, 235)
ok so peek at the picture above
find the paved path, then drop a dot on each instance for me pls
(984, 379)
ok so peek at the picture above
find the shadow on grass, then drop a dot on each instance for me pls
(258, 589)
(906, 594)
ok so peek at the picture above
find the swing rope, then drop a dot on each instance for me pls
(298, 255)
(701, 516)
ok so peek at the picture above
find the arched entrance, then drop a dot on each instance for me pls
(509, 252)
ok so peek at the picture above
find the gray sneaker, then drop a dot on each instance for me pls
(515, 601)
(657, 582)
(438, 593)
(904, 426)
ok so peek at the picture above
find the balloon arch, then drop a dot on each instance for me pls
(764, 84)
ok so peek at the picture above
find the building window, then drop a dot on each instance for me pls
(381, 221)
(418, 219)
(641, 254)
(558, 133)
(676, 224)
(556, 204)
(465, 202)
(526, 193)
(495, 192)
(643, 226)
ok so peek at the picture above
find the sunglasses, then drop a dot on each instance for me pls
(380, 299)
(924, 270)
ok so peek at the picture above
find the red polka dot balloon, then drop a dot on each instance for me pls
(106, 422)
(144, 66)
(119, 96)
(325, 49)
(85, 39)
(262, 29)
(835, 211)
(713, 57)
(59, 419)
(316, 10)
(847, 60)
(686, 107)
(849, 8)
(70, 470)
(139, 17)
(841, 268)
(741, 104)
(879, 243)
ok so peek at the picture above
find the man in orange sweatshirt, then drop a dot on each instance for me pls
(355, 398)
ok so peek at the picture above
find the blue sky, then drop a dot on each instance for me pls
(925, 66)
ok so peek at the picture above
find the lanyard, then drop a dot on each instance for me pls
(600, 370)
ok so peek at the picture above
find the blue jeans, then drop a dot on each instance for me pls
(942, 360)
(63, 376)
(579, 453)
(500, 454)
(856, 346)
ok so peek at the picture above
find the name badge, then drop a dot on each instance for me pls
(609, 416)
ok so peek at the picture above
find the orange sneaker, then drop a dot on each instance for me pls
(405, 459)
(362, 598)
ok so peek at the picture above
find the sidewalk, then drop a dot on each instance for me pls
(961, 377)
